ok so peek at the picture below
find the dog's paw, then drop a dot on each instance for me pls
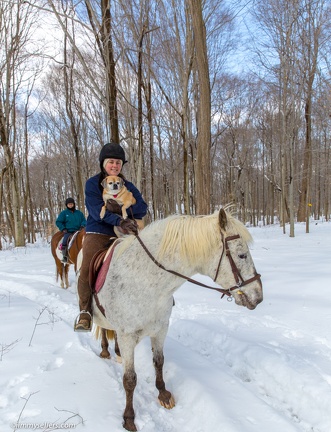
(103, 211)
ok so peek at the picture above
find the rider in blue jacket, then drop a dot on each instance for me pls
(69, 221)
(100, 232)
(94, 202)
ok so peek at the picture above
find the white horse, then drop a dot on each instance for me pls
(137, 296)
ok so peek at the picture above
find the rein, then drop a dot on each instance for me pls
(224, 292)
(236, 273)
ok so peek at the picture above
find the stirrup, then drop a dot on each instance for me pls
(80, 327)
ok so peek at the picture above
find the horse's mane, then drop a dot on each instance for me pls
(190, 238)
(194, 238)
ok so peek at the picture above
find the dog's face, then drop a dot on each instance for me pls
(112, 184)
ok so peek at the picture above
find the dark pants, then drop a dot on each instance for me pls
(65, 239)
(92, 244)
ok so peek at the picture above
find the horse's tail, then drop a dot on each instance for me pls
(110, 334)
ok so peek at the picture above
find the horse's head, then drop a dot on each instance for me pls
(213, 244)
(236, 271)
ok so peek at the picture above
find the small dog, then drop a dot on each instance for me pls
(113, 188)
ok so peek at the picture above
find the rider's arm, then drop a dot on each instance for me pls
(60, 221)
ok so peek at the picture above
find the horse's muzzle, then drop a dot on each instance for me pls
(250, 300)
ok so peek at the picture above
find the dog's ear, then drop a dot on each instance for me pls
(104, 183)
(121, 181)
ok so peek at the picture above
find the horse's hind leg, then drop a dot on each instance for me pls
(104, 344)
(67, 275)
(59, 272)
(117, 350)
(165, 397)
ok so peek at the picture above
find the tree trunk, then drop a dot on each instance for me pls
(203, 165)
(111, 89)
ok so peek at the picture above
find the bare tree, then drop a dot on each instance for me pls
(16, 63)
(202, 166)
(279, 24)
(313, 19)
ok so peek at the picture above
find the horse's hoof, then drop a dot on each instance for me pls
(105, 354)
(129, 425)
(167, 400)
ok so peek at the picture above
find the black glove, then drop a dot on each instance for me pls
(129, 226)
(113, 207)
(65, 230)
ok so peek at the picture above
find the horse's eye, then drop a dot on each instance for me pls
(242, 256)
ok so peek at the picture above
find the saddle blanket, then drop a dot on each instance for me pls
(101, 277)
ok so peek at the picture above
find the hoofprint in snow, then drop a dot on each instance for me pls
(228, 368)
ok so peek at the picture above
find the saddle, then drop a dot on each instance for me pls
(99, 266)
(71, 238)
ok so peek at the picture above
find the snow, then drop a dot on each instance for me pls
(230, 369)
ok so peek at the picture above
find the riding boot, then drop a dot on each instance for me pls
(65, 254)
(83, 321)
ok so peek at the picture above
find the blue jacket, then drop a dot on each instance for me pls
(94, 202)
(70, 220)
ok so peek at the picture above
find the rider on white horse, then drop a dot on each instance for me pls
(100, 232)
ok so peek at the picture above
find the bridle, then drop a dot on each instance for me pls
(240, 282)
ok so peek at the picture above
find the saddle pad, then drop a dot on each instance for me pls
(71, 239)
(101, 277)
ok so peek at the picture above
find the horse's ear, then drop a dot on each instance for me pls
(222, 219)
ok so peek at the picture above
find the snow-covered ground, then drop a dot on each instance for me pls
(229, 369)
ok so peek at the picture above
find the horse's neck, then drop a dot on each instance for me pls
(170, 265)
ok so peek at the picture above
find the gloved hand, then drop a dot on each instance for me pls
(65, 230)
(129, 226)
(113, 206)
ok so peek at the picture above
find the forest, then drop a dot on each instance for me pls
(215, 102)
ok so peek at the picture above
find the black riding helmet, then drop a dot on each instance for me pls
(70, 200)
(111, 150)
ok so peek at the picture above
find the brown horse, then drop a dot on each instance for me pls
(75, 242)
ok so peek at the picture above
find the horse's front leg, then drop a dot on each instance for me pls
(165, 397)
(127, 344)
